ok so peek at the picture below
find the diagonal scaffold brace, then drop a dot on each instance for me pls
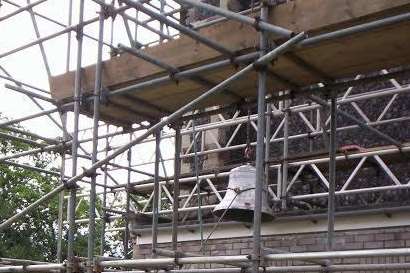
(261, 62)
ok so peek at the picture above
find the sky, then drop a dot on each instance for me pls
(27, 66)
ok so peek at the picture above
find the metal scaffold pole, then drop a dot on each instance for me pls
(293, 194)
(285, 163)
(60, 227)
(197, 180)
(128, 202)
(96, 118)
(260, 150)
(267, 140)
(74, 148)
(156, 196)
(260, 62)
(332, 174)
(104, 198)
(177, 172)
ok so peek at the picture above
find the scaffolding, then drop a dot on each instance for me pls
(327, 94)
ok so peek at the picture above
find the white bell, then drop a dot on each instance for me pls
(239, 200)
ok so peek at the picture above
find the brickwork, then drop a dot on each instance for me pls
(307, 242)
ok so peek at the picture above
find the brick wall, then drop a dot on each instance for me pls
(344, 240)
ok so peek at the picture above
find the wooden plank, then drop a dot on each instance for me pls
(298, 15)
(380, 49)
(365, 52)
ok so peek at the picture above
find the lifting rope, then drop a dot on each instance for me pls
(248, 147)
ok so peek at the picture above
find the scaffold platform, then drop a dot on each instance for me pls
(322, 57)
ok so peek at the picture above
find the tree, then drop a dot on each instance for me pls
(34, 237)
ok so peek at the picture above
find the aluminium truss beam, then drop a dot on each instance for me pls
(357, 121)
(261, 62)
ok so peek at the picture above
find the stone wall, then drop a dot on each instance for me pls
(379, 238)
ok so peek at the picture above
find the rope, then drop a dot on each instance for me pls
(248, 148)
(224, 213)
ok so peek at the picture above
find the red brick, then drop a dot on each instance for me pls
(246, 251)
(394, 244)
(374, 244)
(239, 245)
(364, 237)
(384, 237)
(404, 235)
(307, 241)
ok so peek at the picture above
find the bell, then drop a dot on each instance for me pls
(239, 201)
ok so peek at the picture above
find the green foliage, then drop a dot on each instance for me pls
(33, 237)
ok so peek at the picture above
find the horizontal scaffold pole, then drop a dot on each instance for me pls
(286, 269)
(32, 268)
(56, 34)
(30, 6)
(264, 60)
(355, 29)
(357, 121)
(161, 262)
(183, 29)
(180, 254)
(258, 24)
(35, 115)
(29, 93)
(252, 56)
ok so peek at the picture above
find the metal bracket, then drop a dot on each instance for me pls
(175, 124)
(104, 99)
(109, 11)
(131, 189)
(84, 100)
(79, 31)
(90, 173)
(114, 52)
(173, 78)
(97, 268)
(106, 217)
(73, 264)
(71, 185)
(256, 24)
(260, 67)
(127, 129)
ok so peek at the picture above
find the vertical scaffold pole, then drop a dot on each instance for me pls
(260, 158)
(155, 199)
(77, 97)
(61, 194)
(65, 136)
(70, 18)
(104, 201)
(161, 24)
(285, 152)
(96, 118)
(177, 173)
(267, 140)
(198, 181)
(332, 174)
(128, 200)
